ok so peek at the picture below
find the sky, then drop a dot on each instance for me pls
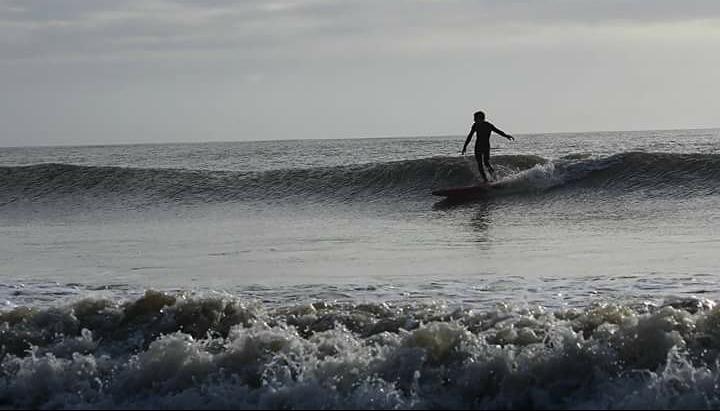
(151, 71)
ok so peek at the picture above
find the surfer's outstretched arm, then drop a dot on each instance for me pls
(469, 137)
(502, 133)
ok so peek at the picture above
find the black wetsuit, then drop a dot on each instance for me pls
(483, 129)
(482, 145)
(482, 140)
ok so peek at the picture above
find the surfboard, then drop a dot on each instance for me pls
(466, 192)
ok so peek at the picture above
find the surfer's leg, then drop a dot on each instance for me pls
(478, 157)
(486, 160)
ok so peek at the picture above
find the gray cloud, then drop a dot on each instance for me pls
(102, 28)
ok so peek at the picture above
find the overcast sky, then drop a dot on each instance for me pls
(109, 71)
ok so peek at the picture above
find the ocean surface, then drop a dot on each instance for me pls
(323, 274)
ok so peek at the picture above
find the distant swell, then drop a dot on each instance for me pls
(171, 351)
(635, 171)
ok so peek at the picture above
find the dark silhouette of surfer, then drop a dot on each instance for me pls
(482, 142)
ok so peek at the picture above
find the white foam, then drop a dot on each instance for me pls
(539, 177)
(361, 356)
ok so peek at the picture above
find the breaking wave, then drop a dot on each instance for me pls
(635, 171)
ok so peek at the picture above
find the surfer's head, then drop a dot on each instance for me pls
(479, 116)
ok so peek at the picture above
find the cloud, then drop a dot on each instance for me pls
(82, 28)
(88, 29)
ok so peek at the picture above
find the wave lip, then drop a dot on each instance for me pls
(173, 351)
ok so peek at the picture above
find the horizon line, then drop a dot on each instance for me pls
(117, 144)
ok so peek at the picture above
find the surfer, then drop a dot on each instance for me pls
(482, 142)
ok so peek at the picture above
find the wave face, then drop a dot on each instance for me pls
(652, 173)
(174, 351)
